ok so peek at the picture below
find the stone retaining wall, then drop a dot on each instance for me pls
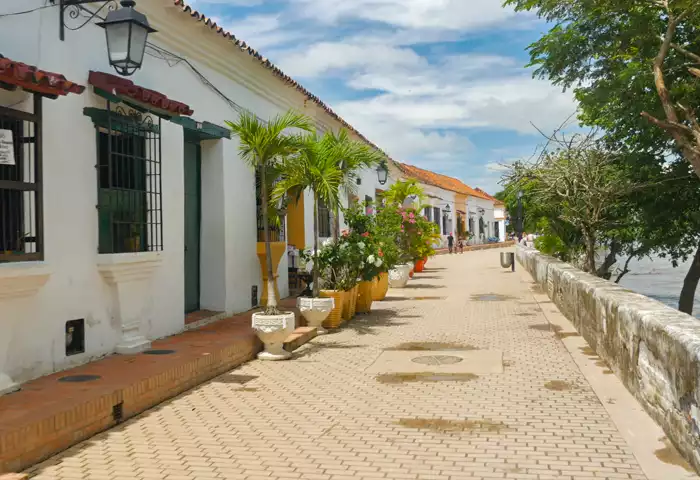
(653, 349)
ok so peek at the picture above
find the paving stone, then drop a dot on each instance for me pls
(324, 416)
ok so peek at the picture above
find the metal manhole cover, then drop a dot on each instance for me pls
(437, 360)
(79, 378)
(158, 352)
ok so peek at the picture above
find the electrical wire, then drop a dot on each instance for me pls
(172, 59)
(12, 14)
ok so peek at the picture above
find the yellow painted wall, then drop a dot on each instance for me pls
(295, 224)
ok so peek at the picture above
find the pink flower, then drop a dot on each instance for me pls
(412, 221)
(420, 232)
(381, 254)
(412, 215)
(345, 233)
(424, 217)
(366, 234)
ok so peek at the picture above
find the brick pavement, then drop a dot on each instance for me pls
(321, 417)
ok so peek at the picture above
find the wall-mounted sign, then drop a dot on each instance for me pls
(7, 148)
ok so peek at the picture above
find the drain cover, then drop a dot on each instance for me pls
(158, 352)
(79, 378)
(437, 360)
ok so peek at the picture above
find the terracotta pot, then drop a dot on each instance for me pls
(380, 286)
(364, 297)
(334, 319)
(420, 264)
(347, 304)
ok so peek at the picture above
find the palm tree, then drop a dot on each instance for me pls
(351, 157)
(263, 145)
(400, 191)
(315, 167)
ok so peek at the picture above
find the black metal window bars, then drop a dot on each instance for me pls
(21, 222)
(129, 197)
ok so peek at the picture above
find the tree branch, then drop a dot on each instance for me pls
(670, 126)
(692, 56)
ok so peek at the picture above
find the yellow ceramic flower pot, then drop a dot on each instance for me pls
(364, 297)
(380, 287)
(334, 318)
(353, 301)
(347, 305)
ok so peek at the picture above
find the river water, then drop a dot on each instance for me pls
(656, 278)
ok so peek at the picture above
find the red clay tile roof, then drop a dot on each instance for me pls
(126, 88)
(243, 46)
(35, 80)
(441, 181)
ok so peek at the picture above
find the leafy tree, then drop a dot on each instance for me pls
(580, 190)
(634, 68)
(263, 145)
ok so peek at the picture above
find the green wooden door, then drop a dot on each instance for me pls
(193, 215)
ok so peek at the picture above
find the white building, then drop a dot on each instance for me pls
(123, 202)
(462, 210)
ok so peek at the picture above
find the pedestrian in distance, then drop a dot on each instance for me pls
(450, 242)
(460, 245)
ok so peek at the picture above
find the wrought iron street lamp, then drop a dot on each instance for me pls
(126, 30)
(382, 173)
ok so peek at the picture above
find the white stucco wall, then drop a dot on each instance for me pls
(473, 206)
(75, 289)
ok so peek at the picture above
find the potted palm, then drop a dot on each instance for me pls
(351, 157)
(264, 145)
(315, 168)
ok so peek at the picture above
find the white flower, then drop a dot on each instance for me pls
(378, 263)
(343, 246)
(370, 259)
(328, 242)
(361, 245)
(309, 266)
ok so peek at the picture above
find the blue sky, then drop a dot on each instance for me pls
(440, 84)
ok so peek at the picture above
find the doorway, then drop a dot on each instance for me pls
(193, 222)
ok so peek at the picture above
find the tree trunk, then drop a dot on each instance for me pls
(316, 290)
(590, 253)
(690, 284)
(271, 308)
(604, 270)
(336, 223)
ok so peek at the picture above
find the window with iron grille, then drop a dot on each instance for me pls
(324, 220)
(436, 217)
(20, 185)
(129, 202)
(275, 225)
(427, 211)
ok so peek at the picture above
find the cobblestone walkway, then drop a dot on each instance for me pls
(321, 416)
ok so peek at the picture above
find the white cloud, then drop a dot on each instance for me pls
(459, 15)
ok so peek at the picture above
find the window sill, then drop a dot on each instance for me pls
(22, 279)
(127, 267)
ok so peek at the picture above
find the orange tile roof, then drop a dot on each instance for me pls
(441, 181)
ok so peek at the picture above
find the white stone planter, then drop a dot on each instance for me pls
(273, 330)
(315, 311)
(399, 276)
